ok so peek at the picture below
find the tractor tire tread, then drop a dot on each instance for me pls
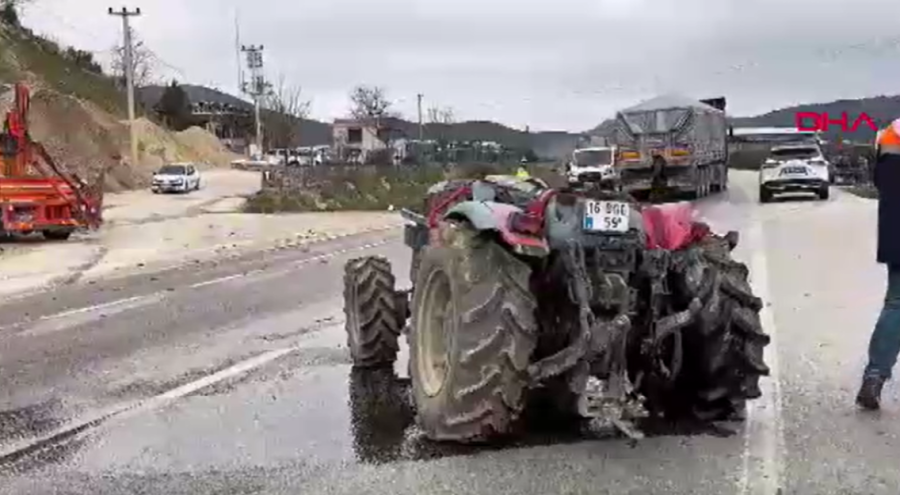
(485, 391)
(726, 345)
(374, 316)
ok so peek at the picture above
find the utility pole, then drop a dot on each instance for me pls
(421, 126)
(237, 50)
(125, 14)
(257, 87)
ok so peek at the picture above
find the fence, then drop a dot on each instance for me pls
(279, 178)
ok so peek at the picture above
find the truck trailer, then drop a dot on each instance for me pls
(673, 143)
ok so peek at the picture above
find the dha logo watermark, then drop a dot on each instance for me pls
(815, 121)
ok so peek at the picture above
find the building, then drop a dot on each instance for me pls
(230, 123)
(360, 141)
(228, 117)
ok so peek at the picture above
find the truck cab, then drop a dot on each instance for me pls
(595, 164)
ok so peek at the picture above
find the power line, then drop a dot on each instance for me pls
(181, 72)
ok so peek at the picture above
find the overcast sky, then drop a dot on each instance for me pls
(550, 65)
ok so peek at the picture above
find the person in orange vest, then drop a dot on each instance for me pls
(884, 345)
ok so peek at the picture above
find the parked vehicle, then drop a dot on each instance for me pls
(176, 177)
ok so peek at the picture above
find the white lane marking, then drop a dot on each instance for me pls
(96, 307)
(145, 405)
(143, 300)
(764, 433)
(220, 280)
(50, 325)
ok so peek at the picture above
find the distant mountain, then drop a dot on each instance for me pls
(882, 110)
(148, 96)
(547, 144)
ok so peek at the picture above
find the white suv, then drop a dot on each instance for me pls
(794, 168)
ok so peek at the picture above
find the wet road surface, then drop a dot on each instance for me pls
(233, 378)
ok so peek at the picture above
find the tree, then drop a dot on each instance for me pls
(175, 107)
(439, 120)
(440, 115)
(83, 59)
(369, 104)
(10, 9)
(142, 62)
(284, 107)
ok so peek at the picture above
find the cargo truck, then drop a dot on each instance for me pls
(673, 143)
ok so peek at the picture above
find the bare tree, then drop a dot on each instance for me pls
(441, 115)
(142, 62)
(370, 104)
(284, 108)
(440, 119)
(14, 4)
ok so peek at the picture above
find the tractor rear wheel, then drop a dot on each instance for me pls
(472, 335)
(373, 310)
(723, 350)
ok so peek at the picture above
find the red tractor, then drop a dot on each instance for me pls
(522, 293)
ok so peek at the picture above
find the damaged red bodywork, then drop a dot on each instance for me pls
(672, 226)
(669, 226)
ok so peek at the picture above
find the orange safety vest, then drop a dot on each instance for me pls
(889, 136)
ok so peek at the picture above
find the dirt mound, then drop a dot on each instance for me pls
(87, 140)
(209, 149)
(158, 146)
(79, 141)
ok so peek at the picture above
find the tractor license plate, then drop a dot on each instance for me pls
(606, 216)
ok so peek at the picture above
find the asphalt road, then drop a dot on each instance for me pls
(233, 378)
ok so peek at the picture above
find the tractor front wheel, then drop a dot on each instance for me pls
(373, 310)
(471, 339)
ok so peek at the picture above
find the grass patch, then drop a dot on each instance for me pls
(867, 191)
(46, 59)
(365, 188)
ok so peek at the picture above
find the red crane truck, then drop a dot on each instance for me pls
(36, 194)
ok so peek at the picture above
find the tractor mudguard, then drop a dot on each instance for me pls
(672, 226)
(489, 215)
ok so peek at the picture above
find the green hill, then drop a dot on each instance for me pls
(26, 56)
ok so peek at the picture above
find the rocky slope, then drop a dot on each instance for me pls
(77, 113)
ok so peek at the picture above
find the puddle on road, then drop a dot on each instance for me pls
(312, 415)
(30, 421)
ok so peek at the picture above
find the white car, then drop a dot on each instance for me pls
(596, 164)
(795, 168)
(176, 177)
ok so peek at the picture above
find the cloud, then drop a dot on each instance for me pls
(565, 64)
